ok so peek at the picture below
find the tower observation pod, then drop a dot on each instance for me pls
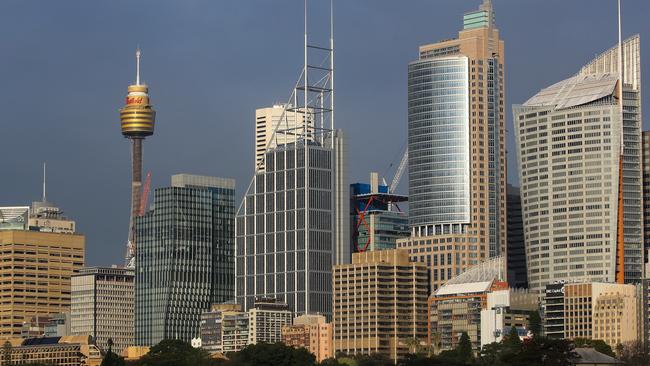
(137, 122)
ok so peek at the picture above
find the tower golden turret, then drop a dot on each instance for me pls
(137, 116)
(137, 122)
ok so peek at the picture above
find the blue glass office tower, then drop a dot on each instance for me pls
(185, 257)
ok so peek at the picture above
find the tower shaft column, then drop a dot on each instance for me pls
(136, 182)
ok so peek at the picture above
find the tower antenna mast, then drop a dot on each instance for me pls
(137, 66)
(44, 164)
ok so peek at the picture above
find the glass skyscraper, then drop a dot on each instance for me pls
(439, 177)
(456, 147)
(185, 257)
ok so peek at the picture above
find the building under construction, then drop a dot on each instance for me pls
(377, 221)
(137, 122)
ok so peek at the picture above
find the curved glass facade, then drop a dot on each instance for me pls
(438, 141)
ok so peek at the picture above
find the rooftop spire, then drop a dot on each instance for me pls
(44, 200)
(137, 67)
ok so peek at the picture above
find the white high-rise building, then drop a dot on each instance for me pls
(102, 306)
(579, 156)
(266, 319)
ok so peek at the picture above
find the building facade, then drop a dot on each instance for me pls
(224, 328)
(506, 309)
(184, 258)
(645, 155)
(517, 273)
(267, 120)
(577, 161)
(457, 156)
(266, 319)
(377, 222)
(61, 351)
(380, 302)
(102, 306)
(554, 310)
(456, 306)
(14, 218)
(643, 311)
(38, 282)
(41, 216)
(605, 311)
(293, 224)
(311, 332)
(58, 326)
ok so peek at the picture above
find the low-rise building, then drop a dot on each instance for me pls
(102, 306)
(376, 221)
(506, 309)
(58, 326)
(593, 310)
(266, 319)
(311, 332)
(134, 353)
(34, 327)
(224, 328)
(60, 351)
(456, 306)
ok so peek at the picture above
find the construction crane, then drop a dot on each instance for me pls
(145, 194)
(399, 172)
(143, 206)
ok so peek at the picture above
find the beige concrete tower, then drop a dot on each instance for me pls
(267, 120)
(457, 155)
(38, 282)
(380, 303)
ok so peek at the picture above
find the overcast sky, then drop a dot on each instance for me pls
(65, 66)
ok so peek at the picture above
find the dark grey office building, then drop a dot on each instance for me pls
(185, 257)
(517, 276)
(554, 310)
(291, 228)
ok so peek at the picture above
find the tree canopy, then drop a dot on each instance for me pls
(175, 353)
(271, 354)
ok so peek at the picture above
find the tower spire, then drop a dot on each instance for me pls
(44, 164)
(137, 67)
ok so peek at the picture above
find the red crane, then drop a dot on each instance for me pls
(145, 194)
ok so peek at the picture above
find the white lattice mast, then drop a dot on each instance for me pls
(312, 98)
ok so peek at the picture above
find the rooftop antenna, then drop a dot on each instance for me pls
(137, 67)
(44, 164)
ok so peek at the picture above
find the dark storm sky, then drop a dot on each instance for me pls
(65, 66)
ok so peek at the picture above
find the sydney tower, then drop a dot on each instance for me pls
(137, 122)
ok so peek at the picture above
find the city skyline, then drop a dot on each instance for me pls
(97, 197)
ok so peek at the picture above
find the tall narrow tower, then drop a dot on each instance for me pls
(456, 149)
(137, 122)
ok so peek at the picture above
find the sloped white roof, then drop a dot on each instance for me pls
(464, 288)
(575, 91)
(478, 278)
